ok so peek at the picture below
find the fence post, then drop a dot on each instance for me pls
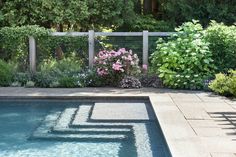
(91, 47)
(32, 54)
(145, 47)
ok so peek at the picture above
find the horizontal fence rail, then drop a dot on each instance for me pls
(74, 34)
(91, 37)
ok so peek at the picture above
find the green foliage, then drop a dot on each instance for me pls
(14, 45)
(14, 39)
(43, 12)
(184, 61)
(52, 71)
(68, 82)
(91, 78)
(203, 10)
(70, 15)
(14, 42)
(21, 78)
(224, 84)
(42, 79)
(6, 73)
(220, 84)
(222, 41)
(65, 66)
(29, 84)
(122, 15)
(148, 22)
(233, 83)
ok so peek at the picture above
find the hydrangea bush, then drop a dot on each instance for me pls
(184, 61)
(114, 65)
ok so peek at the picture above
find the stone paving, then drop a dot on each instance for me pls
(195, 123)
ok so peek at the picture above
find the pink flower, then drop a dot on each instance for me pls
(121, 51)
(120, 61)
(103, 55)
(129, 58)
(102, 72)
(145, 67)
(113, 53)
(118, 53)
(117, 66)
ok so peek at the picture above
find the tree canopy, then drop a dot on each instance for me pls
(125, 15)
(74, 14)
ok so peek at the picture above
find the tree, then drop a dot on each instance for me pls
(46, 13)
(204, 10)
(72, 14)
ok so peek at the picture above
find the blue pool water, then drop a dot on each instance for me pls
(66, 129)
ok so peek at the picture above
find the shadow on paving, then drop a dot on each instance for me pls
(227, 121)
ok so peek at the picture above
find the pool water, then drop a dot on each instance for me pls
(73, 129)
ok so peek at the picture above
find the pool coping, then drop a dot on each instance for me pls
(179, 136)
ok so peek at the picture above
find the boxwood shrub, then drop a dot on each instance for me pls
(224, 84)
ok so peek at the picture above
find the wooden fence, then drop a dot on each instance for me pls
(91, 36)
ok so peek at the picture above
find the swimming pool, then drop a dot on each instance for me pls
(70, 128)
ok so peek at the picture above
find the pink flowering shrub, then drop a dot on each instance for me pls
(114, 65)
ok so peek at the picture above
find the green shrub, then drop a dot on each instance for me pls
(148, 22)
(222, 41)
(67, 66)
(29, 84)
(233, 83)
(91, 79)
(42, 79)
(220, 85)
(22, 78)
(68, 82)
(184, 61)
(6, 73)
(52, 71)
(224, 84)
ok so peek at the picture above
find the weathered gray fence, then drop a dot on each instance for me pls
(91, 36)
